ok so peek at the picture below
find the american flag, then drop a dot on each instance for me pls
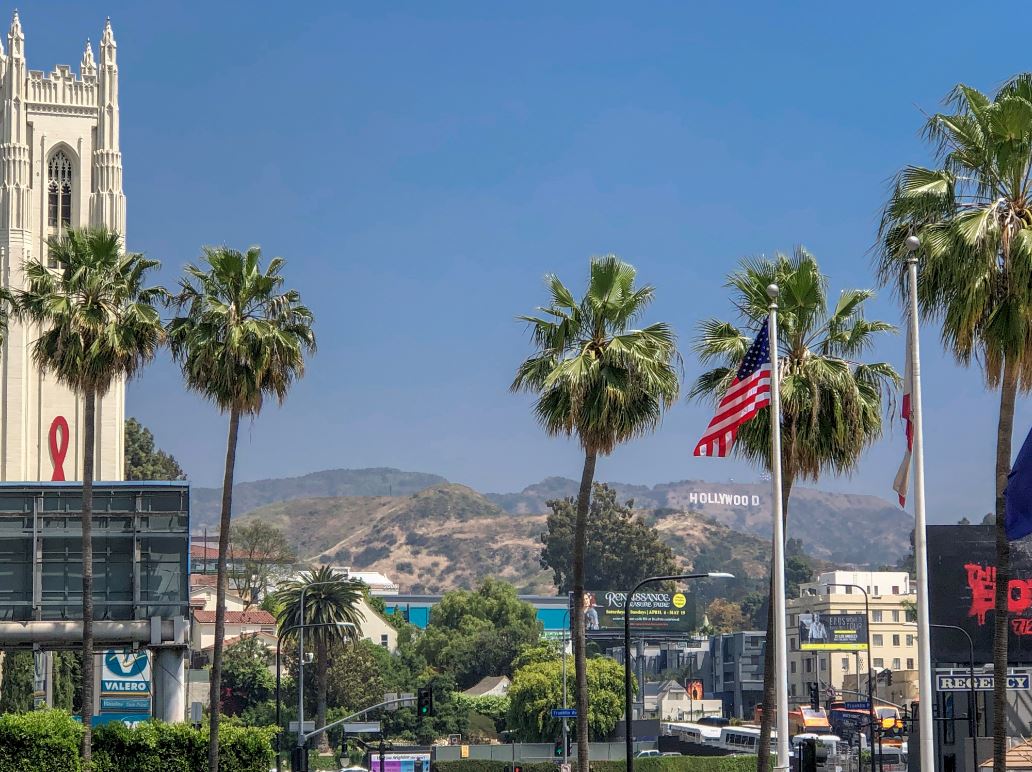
(749, 391)
(902, 481)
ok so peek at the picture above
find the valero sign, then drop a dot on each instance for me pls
(125, 686)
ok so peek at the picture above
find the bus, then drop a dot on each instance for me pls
(691, 732)
(743, 739)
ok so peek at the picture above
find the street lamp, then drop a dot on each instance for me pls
(279, 640)
(972, 695)
(628, 727)
(870, 660)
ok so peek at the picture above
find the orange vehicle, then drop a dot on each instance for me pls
(803, 720)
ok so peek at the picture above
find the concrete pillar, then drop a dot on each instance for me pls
(169, 674)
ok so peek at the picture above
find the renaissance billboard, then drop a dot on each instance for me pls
(962, 587)
(651, 611)
(832, 632)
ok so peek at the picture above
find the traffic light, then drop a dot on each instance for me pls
(888, 678)
(557, 749)
(424, 702)
(815, 696)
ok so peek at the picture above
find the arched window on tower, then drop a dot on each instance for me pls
(59, 196)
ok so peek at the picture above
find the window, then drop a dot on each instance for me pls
(384, 640)
(877, 640)
(895, 664)
(845, 664)
(849, 590)
(895, 616)
(895, 640)
(824, 665)
(879, 662)
(791, 666)
(791, 687)
(876, 616)
(910, 640)
(792, 644)
(875, 590)
(895, 589)
(59, 195)
(910, 663)
(809, 665)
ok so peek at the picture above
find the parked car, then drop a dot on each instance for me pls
(646, 754)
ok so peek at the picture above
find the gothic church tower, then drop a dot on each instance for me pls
(60, 167)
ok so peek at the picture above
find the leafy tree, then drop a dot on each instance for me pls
(725, 616)
(538, 687)
(260, 551)
(246, 679)
(600, 380)
(620, 548)
(68, 680)
(145, 461)
(494, 707)
(831, 402)
(973, 216)
(17, 684)
(239, 338)
(798, 570)
(99, 325)
(473, 634)
(355, 677)
(330, 602)
(542, 651)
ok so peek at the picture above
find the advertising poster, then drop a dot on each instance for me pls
(651, 610)
(125, 687)
(832, 632)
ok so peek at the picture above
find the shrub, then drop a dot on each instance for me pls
(40, 741)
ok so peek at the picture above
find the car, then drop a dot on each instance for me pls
(646, 754)
(670, 753)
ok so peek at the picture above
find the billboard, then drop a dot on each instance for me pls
(694, 687)
(125, 686)
(962, 587)
(651, 611)
(832, 632)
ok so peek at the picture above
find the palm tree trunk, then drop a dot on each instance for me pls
(220, 592)
(321, 668)
(579, 638)
(89, 416)
(769, 682)
(1004, 432)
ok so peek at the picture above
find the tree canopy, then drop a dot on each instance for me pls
(620, 547)
(259, 552)
(144, 460)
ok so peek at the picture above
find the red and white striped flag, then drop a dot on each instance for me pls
(749, 391)
(902, 481)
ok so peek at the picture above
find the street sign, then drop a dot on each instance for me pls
(409, 699)
(862, 705)
(983, 683)
(564, 713)
(309, 727)
(564, 768)
(362, 727)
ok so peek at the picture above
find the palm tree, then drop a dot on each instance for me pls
(331, 601)
(240, 337)
(603, 382)
(98, 325)
(831, 404)
(973, 215)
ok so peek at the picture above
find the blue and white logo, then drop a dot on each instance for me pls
(125, 664)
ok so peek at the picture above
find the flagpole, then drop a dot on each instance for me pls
(778, 568)
(924, 655)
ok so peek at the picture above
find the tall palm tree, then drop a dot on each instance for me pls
(831, 404)
(240, 337)
(601, 381)
(98, 324)
(973, 214)
(331, 600)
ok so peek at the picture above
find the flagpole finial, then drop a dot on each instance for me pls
(913, 243)
(772, 291)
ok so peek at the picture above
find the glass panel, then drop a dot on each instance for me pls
(52, 200)
(66, 205)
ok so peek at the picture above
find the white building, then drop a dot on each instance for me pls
(60, 167)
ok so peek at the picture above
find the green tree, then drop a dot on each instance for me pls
(355, 676)
(239, 338)
(725, 616)
(330, 602)
(832, 403)
(538, 687)
(620, 548)
(246, 679)
(17, 684)
(99, 325)
(68, 680)
(260, 552)
(973, 215)
(145, 461)
(478, 633)
(603, 382)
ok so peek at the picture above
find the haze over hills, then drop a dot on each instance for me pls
(836, 527)
(450, 536)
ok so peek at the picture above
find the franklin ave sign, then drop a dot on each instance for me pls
(985, 683)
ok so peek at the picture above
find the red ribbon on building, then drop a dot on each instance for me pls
(59, 447)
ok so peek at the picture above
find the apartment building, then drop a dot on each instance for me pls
(889, 597)
(736, 666)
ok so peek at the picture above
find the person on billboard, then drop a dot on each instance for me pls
(816, 630)
(590, 612)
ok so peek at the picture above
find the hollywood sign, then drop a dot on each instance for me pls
(728, 499)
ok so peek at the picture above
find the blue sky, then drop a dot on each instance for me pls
(421, 166)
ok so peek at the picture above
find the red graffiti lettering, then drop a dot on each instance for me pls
(1022, 626)
(982, 581)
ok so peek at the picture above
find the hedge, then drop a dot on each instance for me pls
(646, 764)
(48, 741)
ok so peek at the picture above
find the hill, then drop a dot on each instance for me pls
(836, 527)
(450, 536)
(206, 503)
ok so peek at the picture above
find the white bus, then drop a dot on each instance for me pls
(692, 733)
(743, 739)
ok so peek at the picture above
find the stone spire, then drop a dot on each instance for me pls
(107, 203)
(88, 66)
(16, 39)
(108, 46)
